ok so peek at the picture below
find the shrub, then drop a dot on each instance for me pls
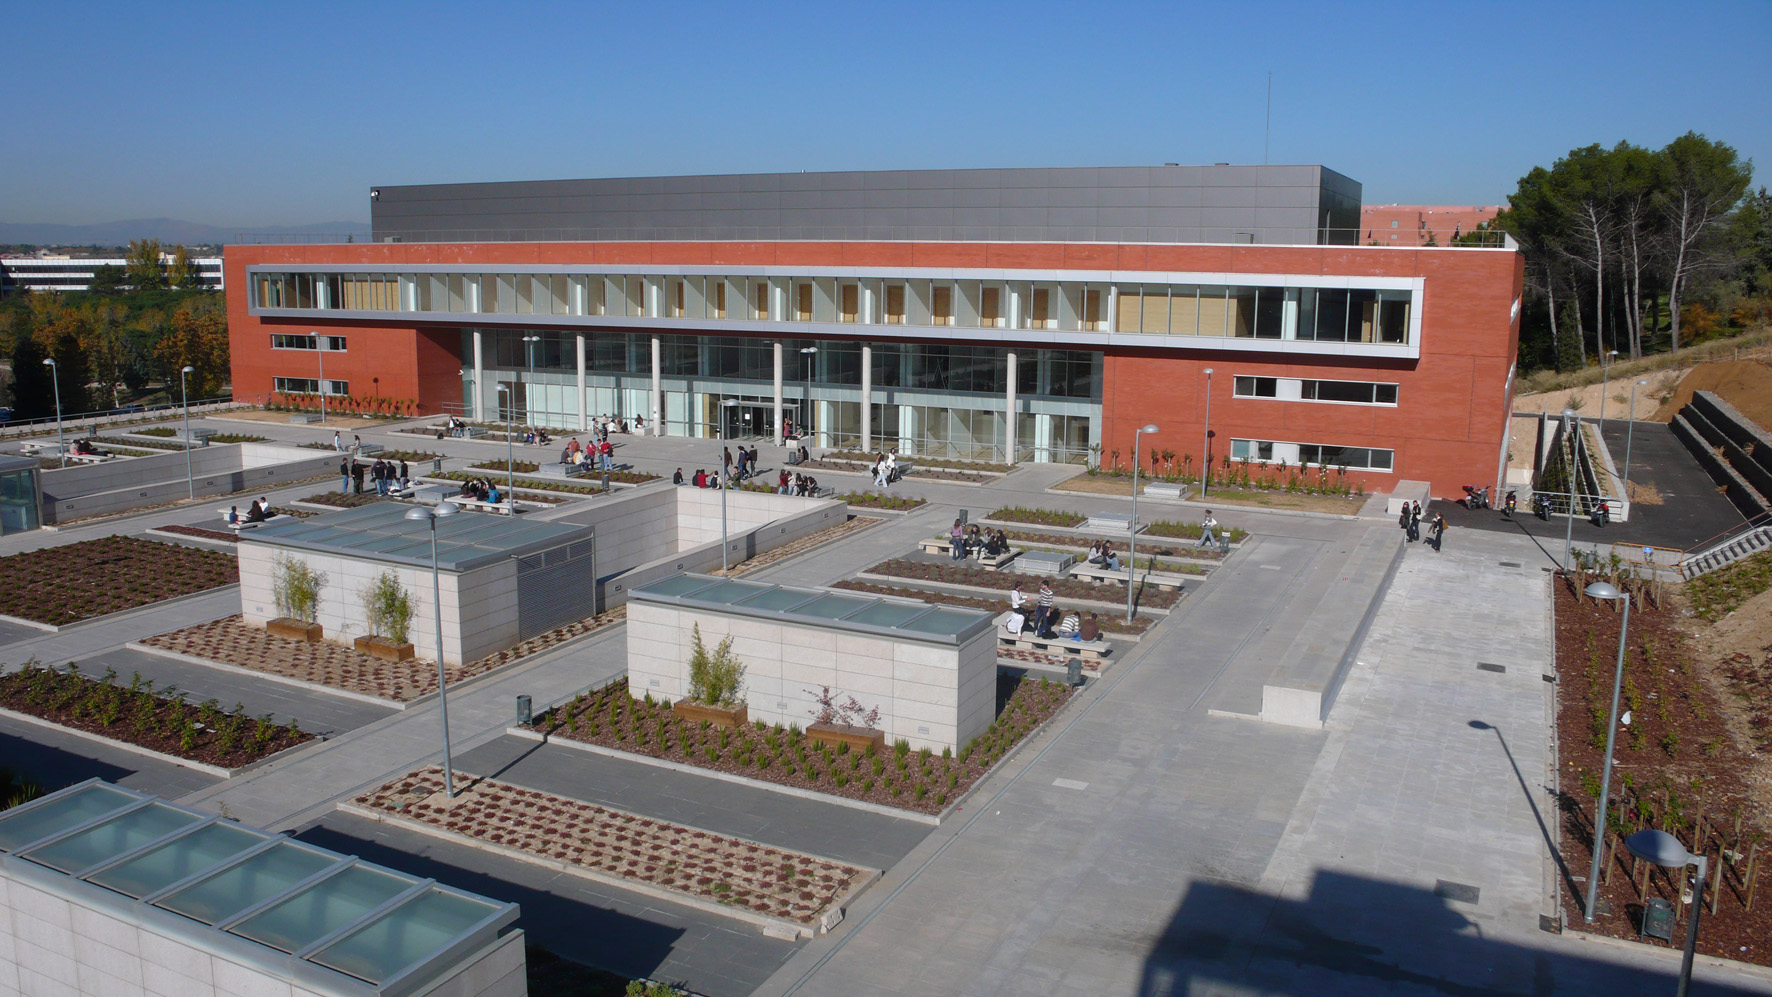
(389, 608)
(718, 678)
(296, 588)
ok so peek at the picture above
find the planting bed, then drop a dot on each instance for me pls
(1676, 767)
(1189, 531)
(1109, 624)
(135, 713)
(805, 543)
(911, 780)
(939, 462)
(161, 431)
(517, 466)
(918, 470)
(232, 641)
(566, 486)
(1037, 517)
(227, 536)
(347, 500)
(410, 456)
(62, 585)
(730, 871)
(962, 573)
(871, 500)
(1022, 538)
(236, 438)
(108, 442)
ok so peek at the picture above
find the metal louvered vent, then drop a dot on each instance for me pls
(555, 587)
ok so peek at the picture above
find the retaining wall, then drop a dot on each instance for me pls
(143, 482)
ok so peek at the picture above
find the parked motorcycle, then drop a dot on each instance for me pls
(1541, 505)
(1602, 514)
(1508, 506)
(1476, 498)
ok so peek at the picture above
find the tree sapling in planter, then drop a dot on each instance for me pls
(837, 724)
(388, 607)
(716, 685)
(296, 588)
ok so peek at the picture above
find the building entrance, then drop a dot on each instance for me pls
(748, 420)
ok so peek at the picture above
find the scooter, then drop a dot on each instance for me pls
(1602, 514)
(1541, 506)
(1476, 498)
(1508, 507)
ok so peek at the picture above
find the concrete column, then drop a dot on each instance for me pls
(778, 389)
(657, 399)
(1112, 319)
(479, 379)
(867, 305)
(1009, 407)
(867, 398)
(584, 422)
(1014, 306)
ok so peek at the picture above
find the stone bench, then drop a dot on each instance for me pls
(1097, 574)
(1108, 522)
(504, 508)
(466, 433)
(1165, 489)
(370, 449)
(557, 470)
(1094, 649)
(304, 418)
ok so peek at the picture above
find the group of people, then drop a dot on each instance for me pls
(1040, 616)
(599, 454)
(962, 542)
(85, 447)
(886, 469)
(386, 476)
(745, 466)
(483, 490)
(536, 437)
(257, 512)
(355, 446)
(1102, 553)
(1409, 520)
(603, 425)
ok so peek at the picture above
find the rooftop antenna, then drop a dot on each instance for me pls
(1268, 130)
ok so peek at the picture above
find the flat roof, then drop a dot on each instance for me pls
(11, 462)
(836, 609)
(292, 910)
(381, 532)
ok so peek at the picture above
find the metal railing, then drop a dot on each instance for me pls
(70, 422)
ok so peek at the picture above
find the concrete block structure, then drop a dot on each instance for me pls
(931, 671)
(1006, 315)
(82, 490)
(108, 891)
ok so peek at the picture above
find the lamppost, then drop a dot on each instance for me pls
(1569, 417)
(1630, 430)
(1206, 457)
(1665, 850)
(320, 358)
(431, 515)
(185, 393)
(806, 417)
(529, 358)
(725, 404)
(55, 379)
(1605, 375)
(1604, 590)
(510, 466)
(1132, 531)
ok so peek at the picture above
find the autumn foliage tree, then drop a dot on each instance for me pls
(198, 338)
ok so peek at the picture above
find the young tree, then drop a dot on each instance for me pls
(143, 265)
(107, 345)
(197, 337)
(1705, 181)
(183, 273)
(107, 280)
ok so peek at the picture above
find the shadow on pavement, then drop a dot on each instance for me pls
(1356, 935)
(52, 768)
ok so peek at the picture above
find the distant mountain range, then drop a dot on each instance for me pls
(167, 230)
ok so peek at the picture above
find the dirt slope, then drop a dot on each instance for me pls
(1745, 384)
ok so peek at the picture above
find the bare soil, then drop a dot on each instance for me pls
(1745, 384)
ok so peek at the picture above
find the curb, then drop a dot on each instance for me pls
(136, 749)
(1081, 533)
(597, 749)
(160, 531)
(121, 614)
(1003, 594)
(772, 926)
(241, 670)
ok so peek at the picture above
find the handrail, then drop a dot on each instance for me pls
(111, 417)
(1746, 525)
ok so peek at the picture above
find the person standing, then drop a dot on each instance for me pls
(338, 442)
(1043, 607)
(1207, 525)
(357, 477)
(344, 475)
(1403, 518)
(957, 541)
(1415, 522)
(1439, 531)
(891, 467)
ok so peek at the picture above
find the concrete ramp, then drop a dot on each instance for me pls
(1289, 671)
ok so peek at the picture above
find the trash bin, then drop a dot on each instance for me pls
(437, 466)
(1658, 920)
(523, 711)
(1073, 672)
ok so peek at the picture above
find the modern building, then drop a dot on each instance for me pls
(32, 273)
(1422, 224)
(1035, 314)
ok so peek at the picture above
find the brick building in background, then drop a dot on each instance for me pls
(1025, 315)
(1417, 224)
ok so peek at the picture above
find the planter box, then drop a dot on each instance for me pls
(858, 738)
(290, 629)
(719, 716)
(380, 647)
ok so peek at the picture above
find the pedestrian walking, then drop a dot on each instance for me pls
(337, 442)
(1207, 525)
(1439, 532)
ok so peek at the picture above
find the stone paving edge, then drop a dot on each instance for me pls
(136, 749)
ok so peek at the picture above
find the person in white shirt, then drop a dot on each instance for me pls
(891, 467)
(1016, 598)
(1207, 525)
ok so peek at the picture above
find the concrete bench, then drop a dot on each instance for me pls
(466, 432)
(1094, 649)
(370, 449)
(558, 470)
(995, 562)
(1165, 489)
(1044, 562)
(304, 418)
(504, 508)
(1108, 522)
(1097, 574)
(90, 458)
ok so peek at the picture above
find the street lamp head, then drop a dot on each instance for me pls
(1603, 590)
(1208, 372)
(1643, 383)
(419, 513)
(187, 370)
(1568, 413)
(50, 362)
(1151, 428)
(729, 403)
(445, 508)
(809, 349)
(1660, 848)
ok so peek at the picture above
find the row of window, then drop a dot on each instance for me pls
(1314, 390)
(1360, 315)
(286, 341)
(1314, 454)
(309, 386)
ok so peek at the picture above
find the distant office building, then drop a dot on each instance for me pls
(1418, 224)
(72, 274)
(1008, 315)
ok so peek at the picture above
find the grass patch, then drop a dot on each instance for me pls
(1038, 517)
(1720, 592)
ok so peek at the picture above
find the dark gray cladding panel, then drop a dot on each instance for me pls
(1089, 204)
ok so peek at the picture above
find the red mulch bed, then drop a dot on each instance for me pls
(1064, 588)
(612, 718)
(1675, 767)
(78, 581)
(225, 536)
(135, 713)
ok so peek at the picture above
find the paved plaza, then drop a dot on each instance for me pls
(1154, 839)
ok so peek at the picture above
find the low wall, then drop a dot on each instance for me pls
(1735, 487)
(143, 482)
(1746, 447)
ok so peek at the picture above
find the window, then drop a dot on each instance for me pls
(309, 386)
(677, 298)
(1039, 309)
(1255, 387)
(1353, 392)
(719, 298)
(1393, 223)
(1252, 449)
(1092, 310)
(895, 304)
(989, 303)
(1353, 458)
(941, 306)
(803, 302)
(761, 292)
(851, 303)
(284, 341)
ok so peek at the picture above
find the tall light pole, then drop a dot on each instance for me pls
(431, 515)
(1569, 417)
(185, 393)
(1630, 431)
(55, 379)
(529, 358)
(806, 417)
(725, 404)
(1605, 375)
(1664, 849)
(1206, 456)
(510, 465)
(1604, 590)
(1132, 531)
(320, 358)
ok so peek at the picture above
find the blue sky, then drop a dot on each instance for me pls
(261, 115)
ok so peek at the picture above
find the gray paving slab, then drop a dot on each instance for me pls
(827, 829)
(53, 760)
(587, 922)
